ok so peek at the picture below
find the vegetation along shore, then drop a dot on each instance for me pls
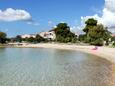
(61, 37)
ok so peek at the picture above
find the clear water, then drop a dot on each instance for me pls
(51, 67)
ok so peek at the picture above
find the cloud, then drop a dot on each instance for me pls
(76, 29)
(11, 14)
(31, 22)
(96, 10)
(108, 15)
(50, 22)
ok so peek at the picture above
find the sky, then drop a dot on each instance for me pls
(33, 16)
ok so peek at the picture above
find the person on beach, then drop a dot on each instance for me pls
(95, 48)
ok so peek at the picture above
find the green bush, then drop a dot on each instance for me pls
(74, 40)
(97, 42)
(113, 39)
(82, 37)
(114, 44)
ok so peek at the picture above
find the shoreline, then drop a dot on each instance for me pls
(103, 52)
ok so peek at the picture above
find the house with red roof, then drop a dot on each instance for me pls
(113, 35)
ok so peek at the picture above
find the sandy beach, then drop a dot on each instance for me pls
(104, 52)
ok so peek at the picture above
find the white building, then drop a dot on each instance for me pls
(28, 35)
(48, 35)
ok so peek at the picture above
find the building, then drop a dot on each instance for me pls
(28, 35)
(48, 35)
(77, 35)
(113, 35)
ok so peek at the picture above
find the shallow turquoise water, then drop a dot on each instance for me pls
(51, 67)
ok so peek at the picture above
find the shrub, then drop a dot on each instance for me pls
(74, 40)
(97, 42)
(113, 39)
(114, 44)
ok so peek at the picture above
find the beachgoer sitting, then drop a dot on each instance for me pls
(95, 48)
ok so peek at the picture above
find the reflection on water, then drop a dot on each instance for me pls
(51, 67)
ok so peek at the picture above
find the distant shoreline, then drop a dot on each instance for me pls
(104, 52)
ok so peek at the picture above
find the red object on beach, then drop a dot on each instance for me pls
(95, 48)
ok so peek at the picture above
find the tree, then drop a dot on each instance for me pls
(18, 38)
(63, 33)
(82, 37)
(90, 23)
(40, 39)
(31, 39)
(3, 37)
(96, 33)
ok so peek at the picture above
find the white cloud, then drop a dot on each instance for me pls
(108, 15)
(33, 23)
(96, 10)
(76, 29)
(50, 22)
(10, 14)
(110, 5)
